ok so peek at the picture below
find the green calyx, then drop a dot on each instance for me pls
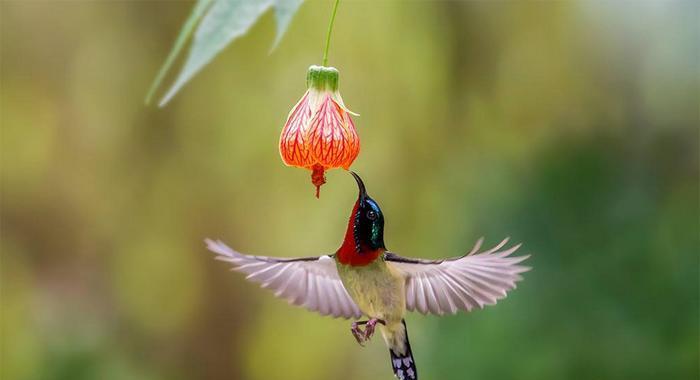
(322, 78)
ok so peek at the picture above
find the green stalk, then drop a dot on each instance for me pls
(330, 29)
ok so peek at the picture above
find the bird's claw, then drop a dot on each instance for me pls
(358, 333)
(371, 325)
(364, 336)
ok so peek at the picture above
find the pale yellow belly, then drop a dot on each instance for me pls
(376, 289)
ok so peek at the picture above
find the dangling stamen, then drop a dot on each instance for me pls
(318, 177)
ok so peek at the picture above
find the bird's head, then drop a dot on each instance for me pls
(366, 225)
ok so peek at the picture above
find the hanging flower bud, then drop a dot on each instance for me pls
(319, 133)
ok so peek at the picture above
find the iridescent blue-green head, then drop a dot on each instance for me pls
(368, 221)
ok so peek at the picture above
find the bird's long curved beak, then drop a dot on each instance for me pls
(360, 185)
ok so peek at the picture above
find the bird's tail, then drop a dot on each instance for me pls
(402, 362)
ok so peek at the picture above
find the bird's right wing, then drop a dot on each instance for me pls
(461, 283)
(311, 282)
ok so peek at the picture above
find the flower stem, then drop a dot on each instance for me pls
(330, 29)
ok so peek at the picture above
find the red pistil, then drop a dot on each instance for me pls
(318, 177)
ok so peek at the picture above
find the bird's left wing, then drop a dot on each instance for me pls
(462, 283)
(311, 282)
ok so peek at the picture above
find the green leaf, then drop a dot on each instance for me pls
(284, 12)
(197, 12)
(222, 21)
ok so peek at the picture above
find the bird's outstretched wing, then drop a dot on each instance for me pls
(460, 283)
(311, 282)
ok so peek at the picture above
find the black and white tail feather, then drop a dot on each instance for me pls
(402, 364)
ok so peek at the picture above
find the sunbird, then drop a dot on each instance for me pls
(362, 278)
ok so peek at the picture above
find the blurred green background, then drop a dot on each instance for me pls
(570, 126)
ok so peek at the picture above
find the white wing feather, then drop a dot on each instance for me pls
(464, 283)
(309, 282)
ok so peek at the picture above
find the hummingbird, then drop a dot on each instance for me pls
(363, 278)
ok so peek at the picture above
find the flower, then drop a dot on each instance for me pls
(319, 133)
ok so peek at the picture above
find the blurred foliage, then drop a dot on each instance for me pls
(570, 126)
(217, 23)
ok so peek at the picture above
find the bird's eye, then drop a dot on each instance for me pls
(371, 215)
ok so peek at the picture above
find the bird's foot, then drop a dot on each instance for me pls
(371, 324)
(365, 335)
(357, 332)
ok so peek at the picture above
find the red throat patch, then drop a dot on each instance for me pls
(347, 253)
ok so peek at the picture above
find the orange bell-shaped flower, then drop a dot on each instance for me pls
(319, 133)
